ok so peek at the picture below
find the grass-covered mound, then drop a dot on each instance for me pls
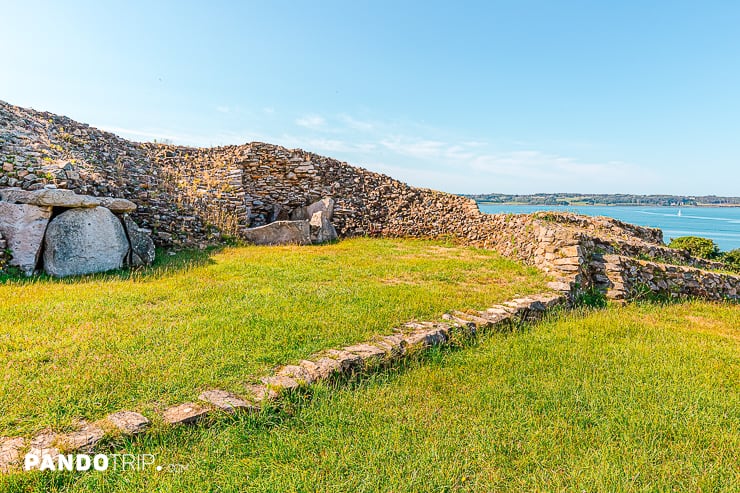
(641, 398)
(89, 346)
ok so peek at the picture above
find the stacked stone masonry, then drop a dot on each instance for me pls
(195, 197)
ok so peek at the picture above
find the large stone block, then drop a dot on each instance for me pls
(325, 205)
(322, 230)
(142, 246)
(280, 233)
(23, 227)
(52, 197)
(84, 241)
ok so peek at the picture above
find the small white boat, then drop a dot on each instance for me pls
(679, 213)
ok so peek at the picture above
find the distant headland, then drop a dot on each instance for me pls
(575, 199)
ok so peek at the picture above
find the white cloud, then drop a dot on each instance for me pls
(223, 109)
(313, 122)
(355, 124)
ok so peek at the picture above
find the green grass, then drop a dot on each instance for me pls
(642, 398)
(89, 346)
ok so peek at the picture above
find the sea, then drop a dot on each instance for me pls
(721, 224)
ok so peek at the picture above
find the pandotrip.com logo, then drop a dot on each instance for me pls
(85, 462)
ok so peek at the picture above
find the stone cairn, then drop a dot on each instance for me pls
(66, 234)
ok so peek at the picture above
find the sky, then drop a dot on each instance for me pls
(466, 97)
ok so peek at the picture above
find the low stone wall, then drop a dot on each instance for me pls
(631, 278)
(194, 197)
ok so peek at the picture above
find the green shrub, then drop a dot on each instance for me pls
(696, 246)
(732, 259)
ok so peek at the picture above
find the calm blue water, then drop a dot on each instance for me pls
(722, 224)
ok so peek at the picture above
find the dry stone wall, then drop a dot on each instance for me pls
(194, 197)
(632, 278)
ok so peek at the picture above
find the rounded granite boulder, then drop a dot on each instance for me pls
(84, 241)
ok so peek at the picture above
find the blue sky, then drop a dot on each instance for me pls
(468, 97)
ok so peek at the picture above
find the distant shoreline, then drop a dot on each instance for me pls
(561, 199)
(692, 206)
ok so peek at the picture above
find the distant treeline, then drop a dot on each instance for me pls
(604, 199)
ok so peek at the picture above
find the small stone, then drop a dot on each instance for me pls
(366, 351)
(128, 422)
(279, 383)
(10, 452)
(85, 438)
(347, 361)
(226, 401)
(297, 373)
(326, 367)
(46, 443)
(185, 413)
(259, 393)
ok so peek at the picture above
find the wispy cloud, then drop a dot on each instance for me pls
(432, 157)
(223, 109)
(356, 124)
(313, 122)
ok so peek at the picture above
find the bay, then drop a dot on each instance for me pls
(721, 224)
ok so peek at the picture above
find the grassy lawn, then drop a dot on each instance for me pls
(642, 398)
(90, 346)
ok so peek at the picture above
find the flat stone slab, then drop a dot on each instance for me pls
(10, 453)
(326, 367)
(46, 443)
(83, 439)
(365, 351)
(53, 197)
(187, 413)
(128, 422)
(280, 233)
(226, 401)
(298, 373)
(23, 227)
(347, 361)
(260, 393)
(281, 382)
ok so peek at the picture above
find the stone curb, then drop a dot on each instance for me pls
(411, 338)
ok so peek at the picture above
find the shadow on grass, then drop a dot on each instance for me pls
(165, 263)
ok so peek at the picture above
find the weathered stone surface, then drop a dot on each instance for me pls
(226, 401)
(280, 233)
(347, 361)
(326, 367)
(52, 197)
(298, 373)
(83, 439)
(46, 443)
(128, 422)
(84, 241)
(23, 226)
(259, 393)
(142, 247)
(365, 351)
(10, 453)
(322, 230)
(187, 413)
(325, 205)
(281, 382)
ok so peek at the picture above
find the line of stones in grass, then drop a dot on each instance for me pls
(409, 339)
